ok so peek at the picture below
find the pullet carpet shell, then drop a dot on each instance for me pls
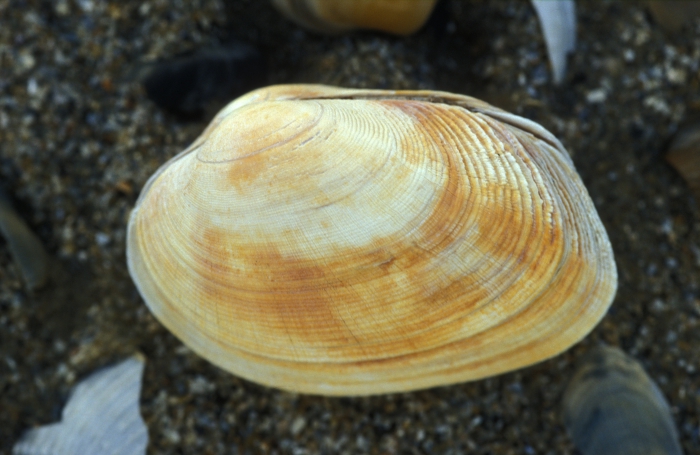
(352, 242)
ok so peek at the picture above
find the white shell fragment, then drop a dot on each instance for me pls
(101, 417)
(25, 246)
(558, 22)
(611, 407)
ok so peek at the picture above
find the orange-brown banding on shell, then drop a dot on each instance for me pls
(335, 251)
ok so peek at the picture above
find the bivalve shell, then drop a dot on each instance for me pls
(351, 242)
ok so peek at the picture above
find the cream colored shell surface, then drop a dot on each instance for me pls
(351, 242)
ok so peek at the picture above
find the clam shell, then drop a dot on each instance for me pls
(401, 17)
(351, 242)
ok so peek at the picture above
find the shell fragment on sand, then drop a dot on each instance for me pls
(558, 22)
(400, 17)
(684, 153)
(611, 407)
(101, 417)
(26, 248)
(672, 15)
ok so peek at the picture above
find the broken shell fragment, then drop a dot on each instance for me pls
(400, 17)
(353, 242)
(26, 248)
(673, 15)
(102, 416)
(558, 23)
(684, 152)
(611, 407)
